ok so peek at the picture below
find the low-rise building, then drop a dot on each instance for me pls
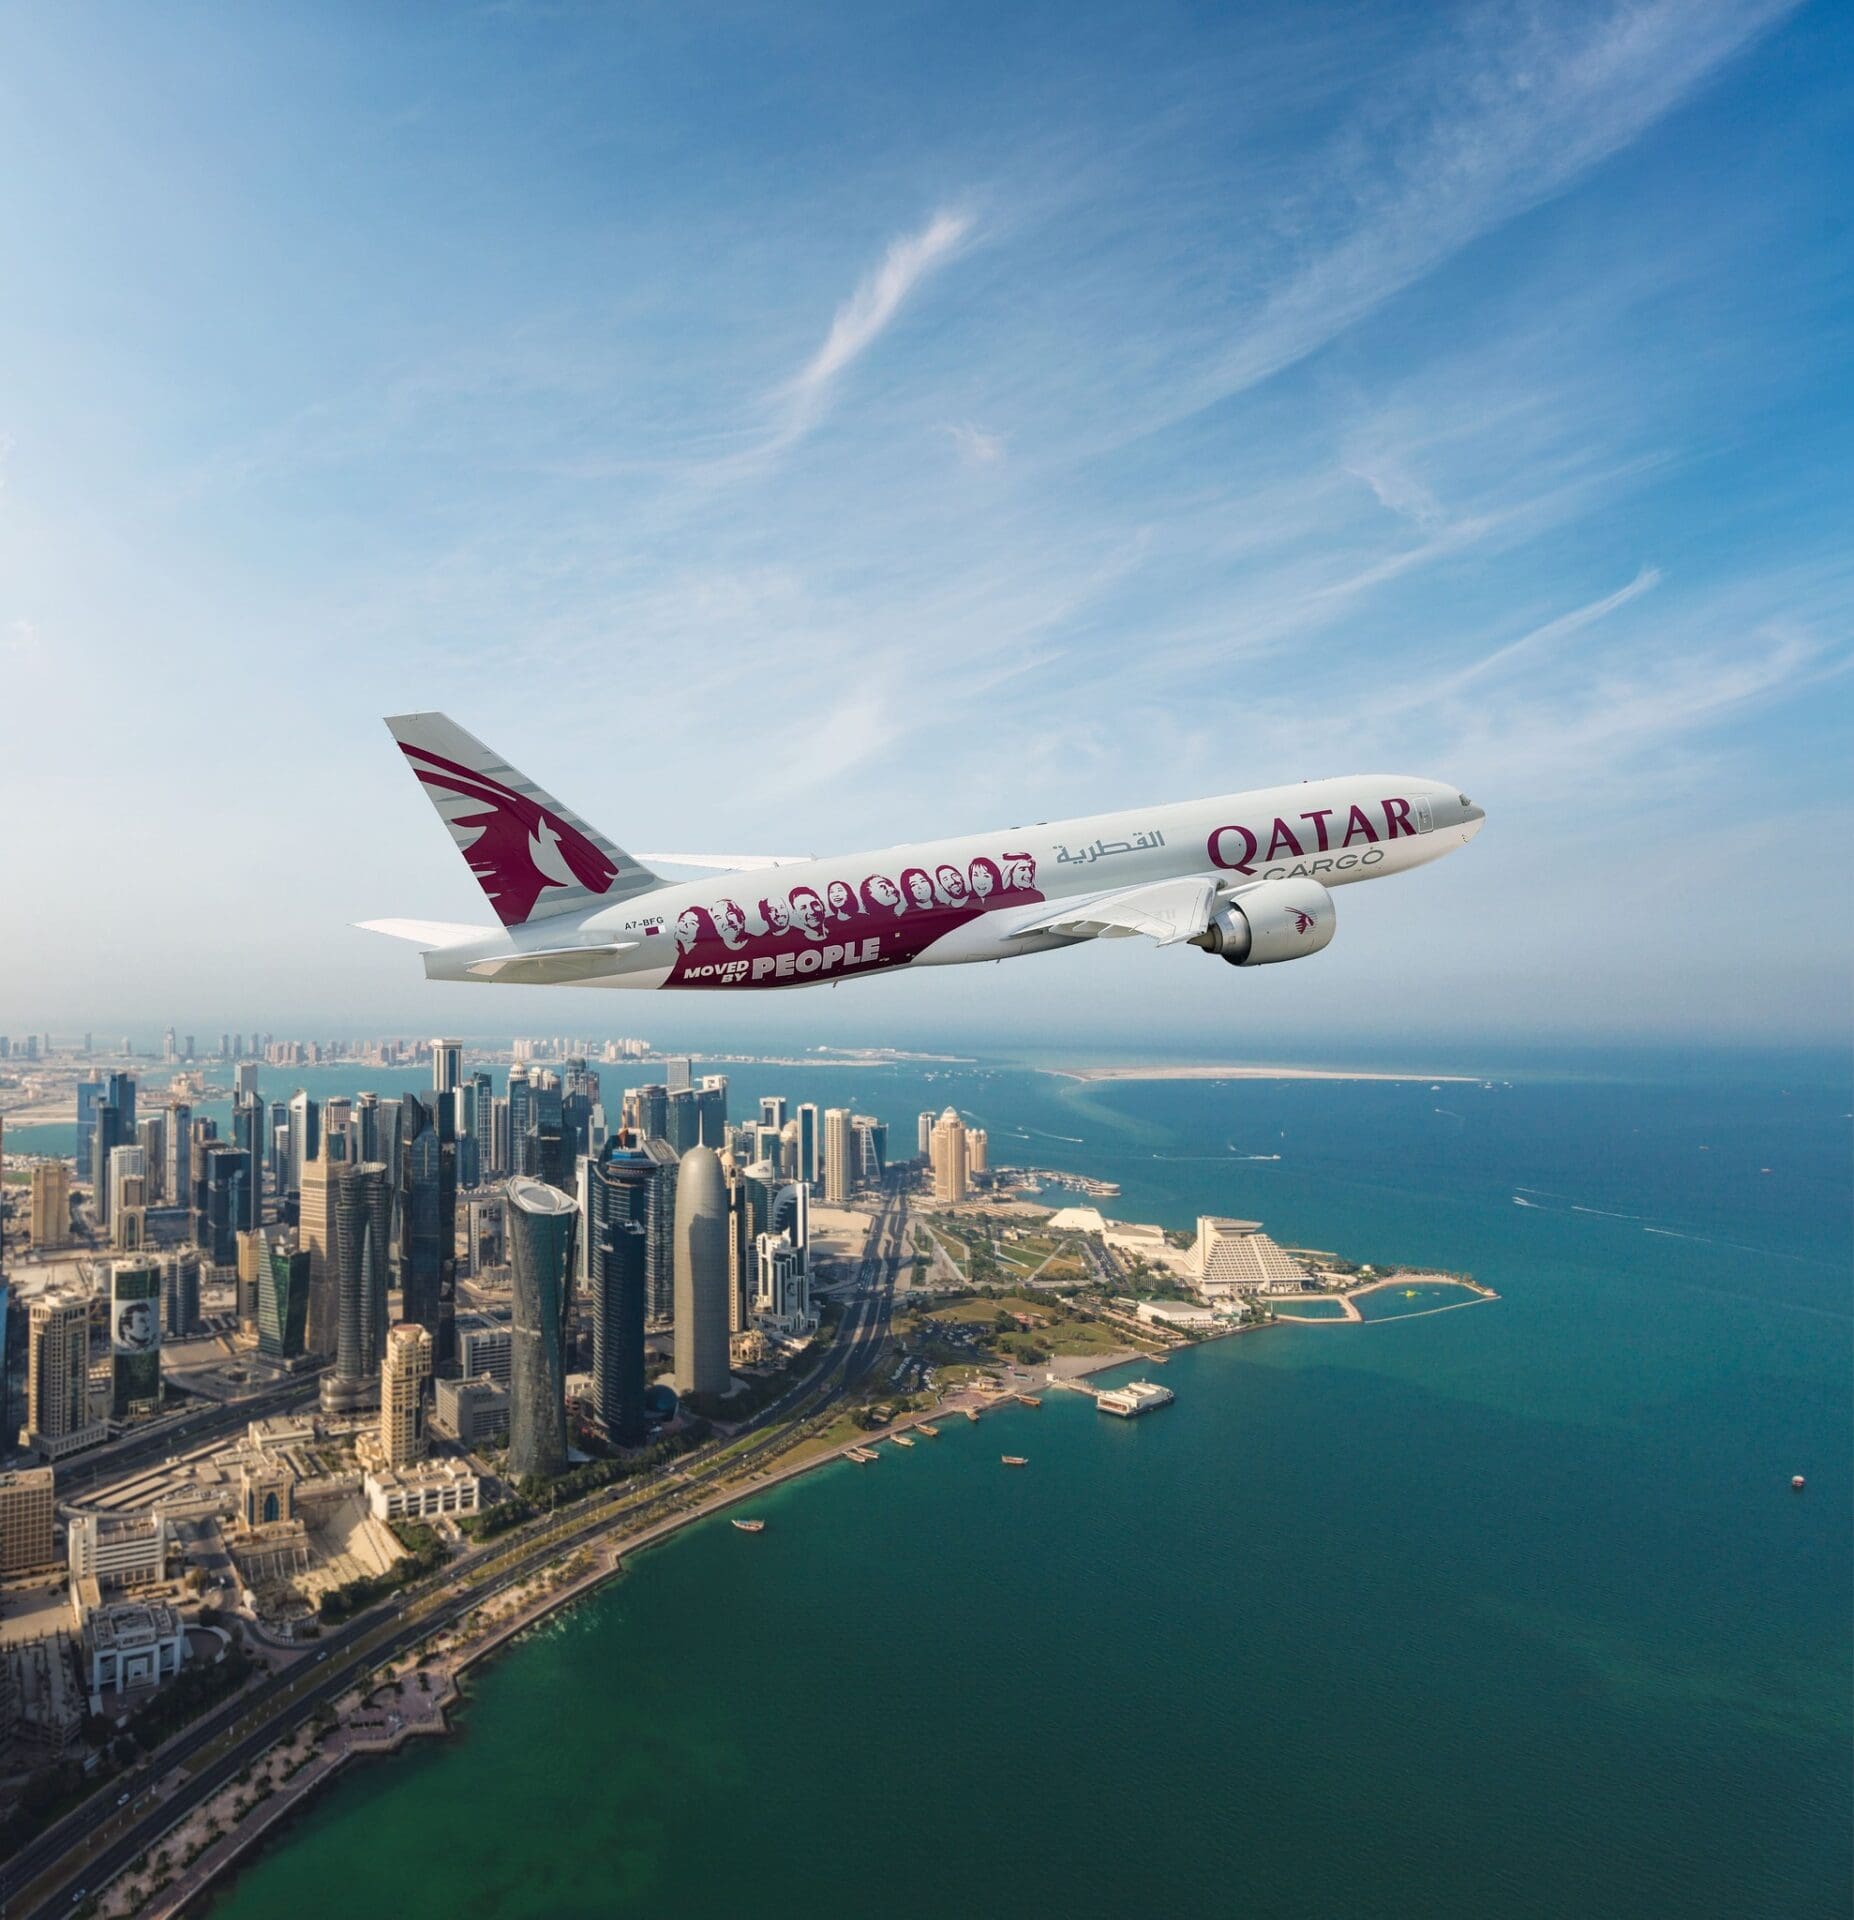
(26, 1504)
(118, 1549)
(1183, 1315)
(423, 1491)
(131, 1644)
(475, 1411)
(51, 1703)
(485, 1346)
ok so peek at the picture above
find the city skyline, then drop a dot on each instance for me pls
(1168, 413)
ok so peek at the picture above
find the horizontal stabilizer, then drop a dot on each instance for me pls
(727, 862)
(427, 933)
(1167, 911)
(550, 966)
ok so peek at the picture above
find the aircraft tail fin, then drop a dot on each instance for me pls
(533, 857)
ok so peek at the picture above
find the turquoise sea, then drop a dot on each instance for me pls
(1509, 1610)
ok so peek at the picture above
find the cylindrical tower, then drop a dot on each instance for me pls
(363, 1217)
(540, 1224)
(701, 1274)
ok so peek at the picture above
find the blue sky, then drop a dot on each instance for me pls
(811, 427)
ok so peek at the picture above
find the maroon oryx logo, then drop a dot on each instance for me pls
(1303, 921)
(519, 848)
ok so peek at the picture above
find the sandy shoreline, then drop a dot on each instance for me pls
(1254, 1073)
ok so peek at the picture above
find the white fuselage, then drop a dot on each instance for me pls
(949, 902)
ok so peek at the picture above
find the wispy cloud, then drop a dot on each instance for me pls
(974, 445)
(863, 318)
(1513, 114)
(1544, 638)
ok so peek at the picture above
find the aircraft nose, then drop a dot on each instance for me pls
(1458, 811)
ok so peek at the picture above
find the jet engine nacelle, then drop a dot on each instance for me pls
(1278, 920)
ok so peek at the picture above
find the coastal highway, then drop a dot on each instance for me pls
(292, 1698)
(213, 1419)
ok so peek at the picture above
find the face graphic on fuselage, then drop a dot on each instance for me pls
(825, 931)
(882, 895)
(730, 924)
(808, 910)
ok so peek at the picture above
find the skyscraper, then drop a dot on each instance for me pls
(125, 1163)
(180, 1293)
(249, 1119)
(315, 1235)
(403, 1373)
(772, 1110)
(948, 1152)
(810, 1143)
(365, 1137)
(51, 1204)
(151, 1137)
(219, 1201)
(660, 1228)
(870, 1148)
(620, 1201)
(978, 1150)
(520, 1116)
(446, 1065)
(682, 1122)
(923, 1136)
(134, 1336)
(305, 1138)
(428, 1222)
(57, 1368)
(481, 1113)
(711, 1099)
(647, 1109)
(541, 1224)
(251, 1258)
(277, 1147)
(701, 1274)
(89, 1092)
(119, 1090)
(283, 1300)
(108, 1133)
(178, 1183)
(363, 1216)
(839, 1155)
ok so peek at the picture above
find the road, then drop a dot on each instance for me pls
(294, 1699)
(121, 1458)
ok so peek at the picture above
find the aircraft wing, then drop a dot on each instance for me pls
(1167, 911)
(728, 862)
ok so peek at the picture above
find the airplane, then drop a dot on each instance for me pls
(1248, 877)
